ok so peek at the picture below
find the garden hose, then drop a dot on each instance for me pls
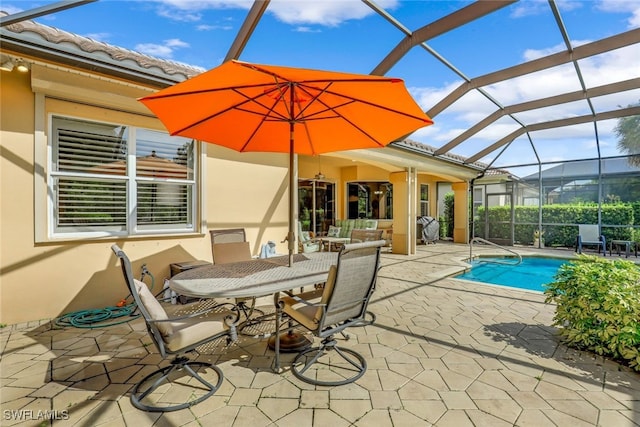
(122, 312)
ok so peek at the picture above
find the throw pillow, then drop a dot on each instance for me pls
(333, 231)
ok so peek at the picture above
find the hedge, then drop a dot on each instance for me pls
(617, 222)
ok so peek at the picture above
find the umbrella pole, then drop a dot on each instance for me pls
(291, 235)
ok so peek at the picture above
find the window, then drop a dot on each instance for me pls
(424, 200)
(372, 200)
(110, 179)
(316, 211)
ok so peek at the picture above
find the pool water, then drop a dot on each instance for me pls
(532, 274)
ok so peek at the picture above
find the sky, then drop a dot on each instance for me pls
(346, 35)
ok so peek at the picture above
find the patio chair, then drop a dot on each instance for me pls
(588, 234)
(340, 304)
(230, 245)
(175, 336)
(307, 242)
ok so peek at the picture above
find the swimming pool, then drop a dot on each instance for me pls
(532, 274)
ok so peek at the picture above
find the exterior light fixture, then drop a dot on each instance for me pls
(7, 65)
(22, 67)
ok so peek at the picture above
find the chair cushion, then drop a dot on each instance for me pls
(225, 253)
(333, 231)
(309, 315)
(370, 224)
(154, 308)
(193, 330)
(308, 247)
(346, 227)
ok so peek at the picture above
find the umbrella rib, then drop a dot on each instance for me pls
(372, 104)
(349, 100)
(238, 106)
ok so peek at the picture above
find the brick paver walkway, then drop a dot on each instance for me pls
(442, 352)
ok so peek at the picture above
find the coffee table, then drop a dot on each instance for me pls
(333, 240)
(627, 244)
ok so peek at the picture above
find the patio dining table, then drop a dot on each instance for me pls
(255, 278)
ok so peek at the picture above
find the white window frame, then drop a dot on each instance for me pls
(131, 228)
(424, 204)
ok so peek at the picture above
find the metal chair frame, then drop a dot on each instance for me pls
(589, 235)
(346, 297)
(180, 362)
(245, 306)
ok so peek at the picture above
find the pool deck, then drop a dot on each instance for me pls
(442, 352)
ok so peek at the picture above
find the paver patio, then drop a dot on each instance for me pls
(442, 352)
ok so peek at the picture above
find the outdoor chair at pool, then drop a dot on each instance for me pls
(326, 312)
(175, 336)
(588, 234)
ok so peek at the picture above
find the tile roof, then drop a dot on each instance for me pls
(62, 41)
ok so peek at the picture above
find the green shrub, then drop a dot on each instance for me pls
(598, 306)
(617, 222)
(449, 208)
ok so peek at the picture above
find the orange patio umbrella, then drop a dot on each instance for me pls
(266, 108)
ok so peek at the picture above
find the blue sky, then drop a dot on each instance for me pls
(346, 35)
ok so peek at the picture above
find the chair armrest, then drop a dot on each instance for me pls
(303, 301)
(195, 314)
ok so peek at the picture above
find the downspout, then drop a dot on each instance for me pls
(473, 223)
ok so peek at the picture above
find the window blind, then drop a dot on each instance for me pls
(99, 187)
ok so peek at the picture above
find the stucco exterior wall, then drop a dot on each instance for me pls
(42, 278)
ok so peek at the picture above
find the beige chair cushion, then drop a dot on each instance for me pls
(154, 308)
(193, 330)
(309, 315)
(224, 253)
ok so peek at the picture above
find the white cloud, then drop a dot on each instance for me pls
(328, 13)
(161, 50)
(537, 7)
(179, 15)
(623, 6)
(531, 54)
(191, 10)
(204, 27)
(101, 37)
(10, 9)
(305, 29)
(173, 43)
(207, 4)
(617, 65)
(528, 8)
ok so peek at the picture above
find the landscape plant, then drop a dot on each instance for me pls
(598, 307)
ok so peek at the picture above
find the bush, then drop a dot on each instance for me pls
(617, 220)
(598, 307)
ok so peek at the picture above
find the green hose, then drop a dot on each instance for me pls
(104, 317)
(99, 318)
